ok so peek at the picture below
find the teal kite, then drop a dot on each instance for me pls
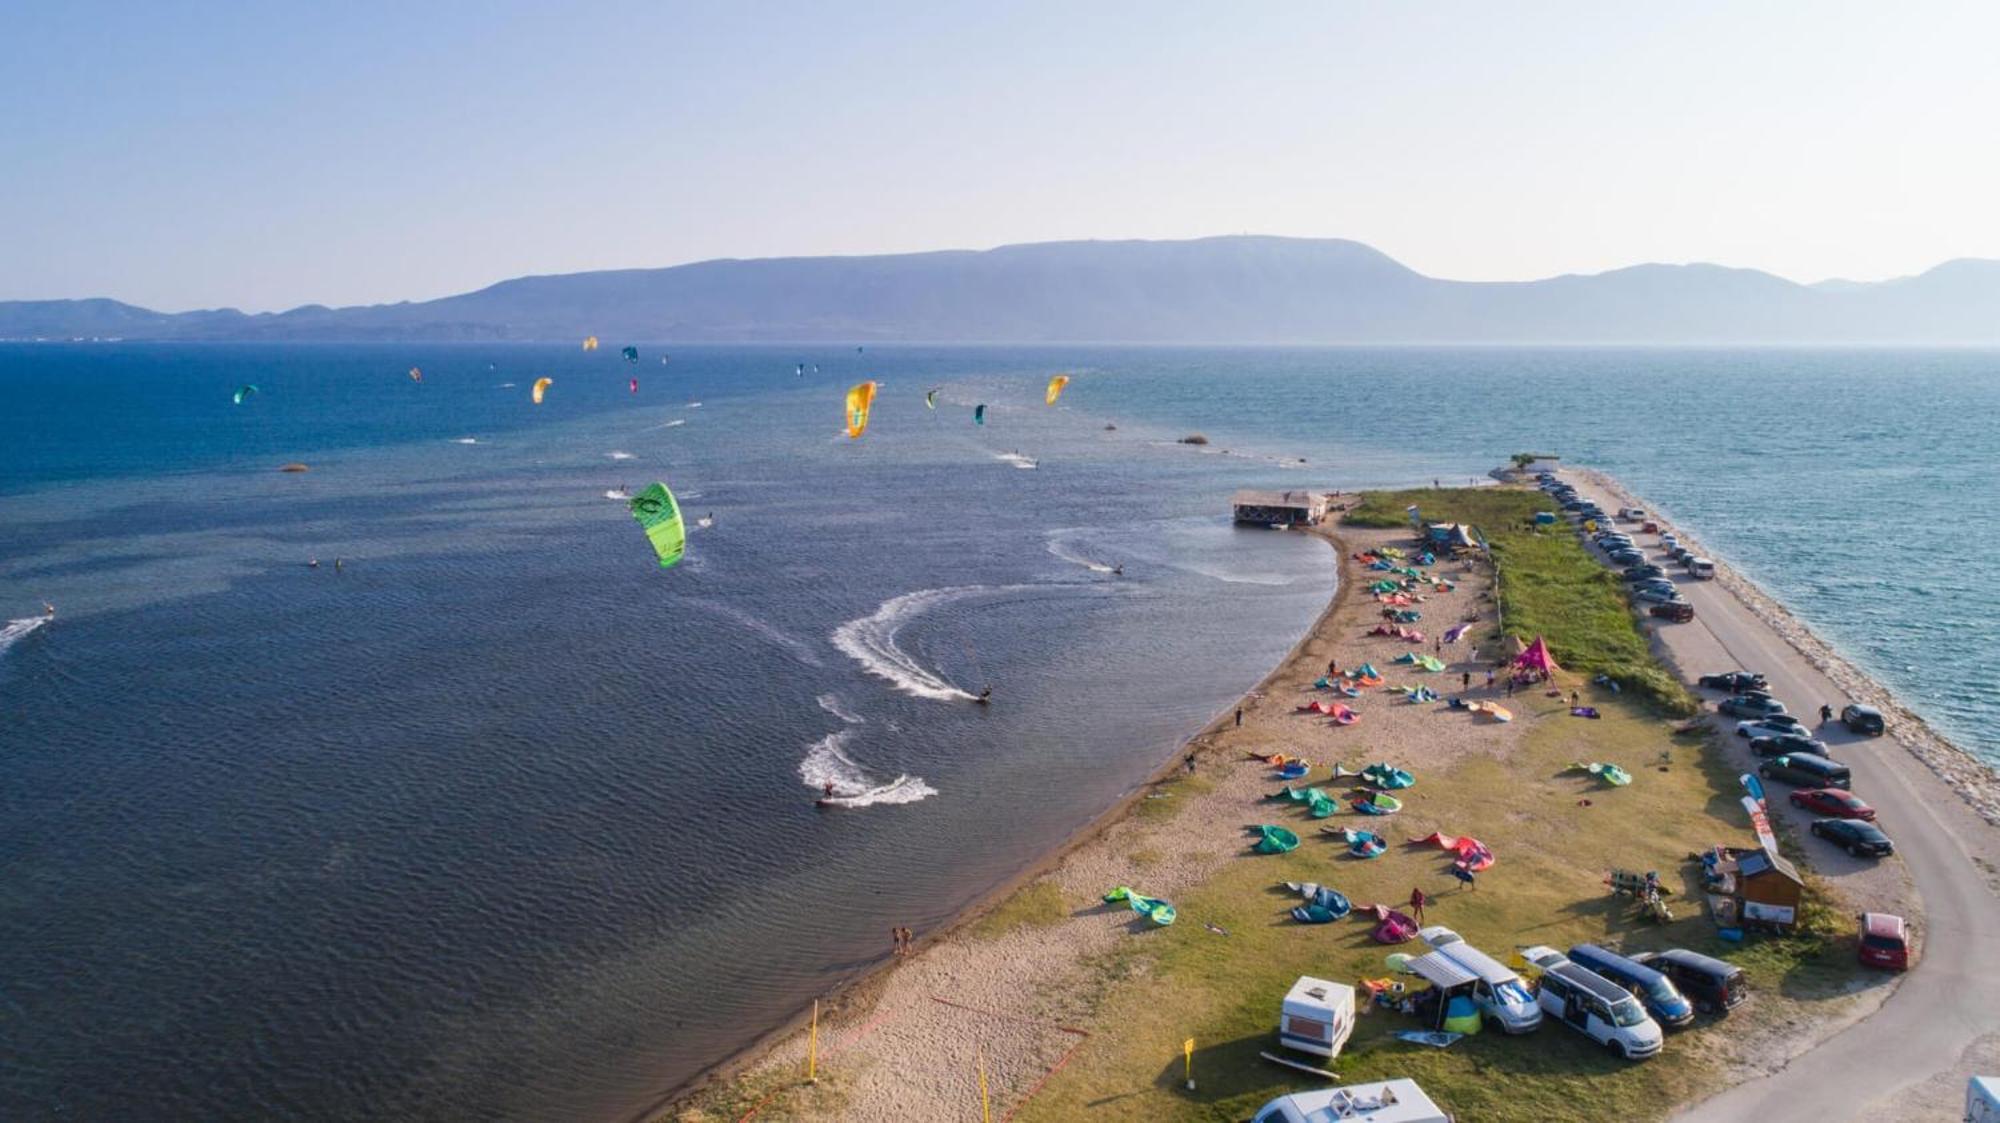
(661, 516)
(631, 354)
(979, 414)
(930, 398)
(245, 391)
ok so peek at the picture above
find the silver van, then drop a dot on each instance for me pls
(1702, 568)
(1594, 1006)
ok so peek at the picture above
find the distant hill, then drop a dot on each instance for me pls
(1211, 290)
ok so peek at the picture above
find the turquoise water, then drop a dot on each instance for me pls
(501, 820)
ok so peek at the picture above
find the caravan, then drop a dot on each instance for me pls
(1385, 1101)
(1317, 1017)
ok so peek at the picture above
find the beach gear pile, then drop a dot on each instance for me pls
(1391, 926)
(1324, 904)
(1293, 770)
(1419, 694)
(1275, 840)
(1318, 804)
(1609, 773)
(1362, 844)
(1341, 714)
(1376, 803)
(1382, 774)
(1472, 855)
(1325, 683)
(1152, 908)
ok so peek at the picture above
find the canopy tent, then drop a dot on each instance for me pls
(1536, 657)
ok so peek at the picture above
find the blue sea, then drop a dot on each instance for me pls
(496, 818)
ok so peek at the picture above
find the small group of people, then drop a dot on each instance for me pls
(903, 940)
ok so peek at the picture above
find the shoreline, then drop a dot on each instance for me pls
(864, 991)
(1977, 782)
(1030, 960)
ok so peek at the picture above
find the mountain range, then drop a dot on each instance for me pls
(1238, 289)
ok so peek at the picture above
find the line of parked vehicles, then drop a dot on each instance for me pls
(1648, 579)
(1621, 1002)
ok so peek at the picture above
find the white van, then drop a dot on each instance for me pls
(1385, 1101)
(1633, 513)
(1702, 568)
(1594, 1006)
(1500, 993)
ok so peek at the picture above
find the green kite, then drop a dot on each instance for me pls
(661, 516)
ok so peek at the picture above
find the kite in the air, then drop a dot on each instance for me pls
(631, 354)
(979, 414)
(930, 398)
(661, 517)
(1056, 385)
(244, 391)
(541, 387)
(590, 343)
(859, 399)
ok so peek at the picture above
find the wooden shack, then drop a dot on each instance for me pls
(1756, 888)
(1279, 508)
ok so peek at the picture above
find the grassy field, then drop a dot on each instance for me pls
(1554, 851)
(1549, 584)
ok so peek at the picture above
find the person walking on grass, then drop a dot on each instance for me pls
(1417, 903)
(1466, 878)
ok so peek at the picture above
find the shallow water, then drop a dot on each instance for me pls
(499, 819)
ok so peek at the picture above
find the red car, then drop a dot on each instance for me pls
(1885, 941)
(1834, 803)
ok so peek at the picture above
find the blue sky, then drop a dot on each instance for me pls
(262, 156)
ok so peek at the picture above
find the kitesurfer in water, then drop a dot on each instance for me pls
(48, 610)
(1117, 571)
(828, 789)
(985, 697)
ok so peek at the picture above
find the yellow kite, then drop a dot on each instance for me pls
(1056, 385)
(590, 343)
(859, 398)
(541, 387)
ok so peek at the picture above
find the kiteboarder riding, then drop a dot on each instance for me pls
(985, 697)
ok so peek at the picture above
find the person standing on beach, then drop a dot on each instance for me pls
(1239, 717)
(1489, 678)
(1465, 680)
(1189, 762)
(896, 941)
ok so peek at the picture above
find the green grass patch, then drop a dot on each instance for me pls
(1037, 904)
(1549, 584)
(1166, 798)
(1554, 851)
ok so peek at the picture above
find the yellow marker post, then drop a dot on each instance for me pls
(812, 1047)
(1187, 1053)
(985, 1106)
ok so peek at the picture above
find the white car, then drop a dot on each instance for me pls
(1772, 727)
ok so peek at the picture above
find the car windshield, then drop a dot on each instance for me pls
(1512, 994)
(1663, 995)
(1627, 1013)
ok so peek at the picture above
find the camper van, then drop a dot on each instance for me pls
(1594, 1006)
(1500, 994)
(1385, 1101)
(1702, 568)
(1317, 1017)
(1652, 988)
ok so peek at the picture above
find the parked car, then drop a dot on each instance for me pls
(1500, 994)
(1715, 986)
(1626, 555)
(1607, 540)
(1650, 527)
(1770, 725)
(1593, 1005)
(1669, 542)
(1751, 706)
(1631, 513)
(1885, 941)
(1804, 770)
(1658, 596)
(1734, 681)
(1653, 989)
(1701, 568)
(1680, 611)
(1390, 1101)
(1642, 572)
(1681, 555)
(1836, 803)
(1778, 744)
(1858, 837)
(1866, 720)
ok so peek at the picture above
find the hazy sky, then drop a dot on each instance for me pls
(185, 155)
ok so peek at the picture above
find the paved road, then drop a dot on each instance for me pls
(1952, 997)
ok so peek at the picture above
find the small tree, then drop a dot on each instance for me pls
(1523, 459)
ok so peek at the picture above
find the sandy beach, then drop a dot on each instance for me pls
(1024, 1001)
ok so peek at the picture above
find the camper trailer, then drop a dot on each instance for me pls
(1385, 1101)
(1317, 1017)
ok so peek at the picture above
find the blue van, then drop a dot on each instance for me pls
(1662, 1000)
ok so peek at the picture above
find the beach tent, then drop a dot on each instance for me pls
(1536, 657)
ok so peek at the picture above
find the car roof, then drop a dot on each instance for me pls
(1695, 959)
(1596, 984)
(1856, 707)
(1882, 924)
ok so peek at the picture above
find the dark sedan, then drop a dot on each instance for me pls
(1784, 743)
(1734, 681)
(1856, 836)
(1750, 705)
(1645, 573)
(1625, 555)
(1835, 803)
